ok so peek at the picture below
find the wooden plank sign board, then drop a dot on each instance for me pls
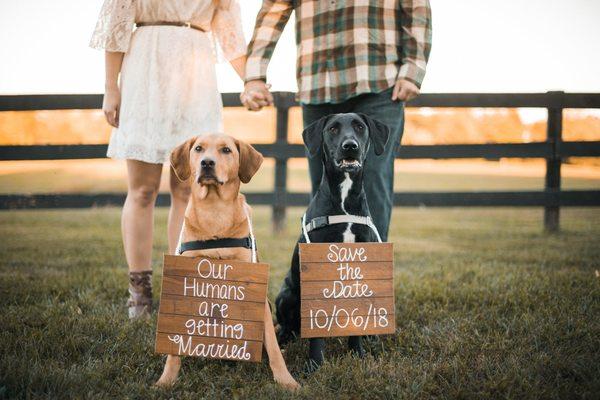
(346, 289)
(212, 308)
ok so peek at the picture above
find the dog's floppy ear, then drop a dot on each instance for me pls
(180, 160)
(313, 135)
(250, 161)
(379, 133)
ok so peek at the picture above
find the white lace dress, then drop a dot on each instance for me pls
(168, 83)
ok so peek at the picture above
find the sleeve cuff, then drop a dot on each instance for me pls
(412, 73)
(257, 78)
(99, 44)
(256, 69)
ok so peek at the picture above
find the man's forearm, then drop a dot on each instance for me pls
(416, 40)
(270, 22)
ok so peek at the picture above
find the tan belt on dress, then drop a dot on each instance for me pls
(167, 23)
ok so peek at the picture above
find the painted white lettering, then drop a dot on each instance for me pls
(213, 290)
(342, 254)
(349, 273)
(214, 328)
(206, 269)
(187, 287)
(340, 290)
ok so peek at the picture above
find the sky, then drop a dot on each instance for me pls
(478, 46)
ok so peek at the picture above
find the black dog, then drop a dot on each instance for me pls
(342, 140)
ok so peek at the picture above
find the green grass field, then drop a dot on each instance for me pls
(487, 306)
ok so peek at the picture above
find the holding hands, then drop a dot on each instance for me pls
(256, 95)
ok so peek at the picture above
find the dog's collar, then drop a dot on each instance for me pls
(245, 243)
(325, 220)
(320, 222)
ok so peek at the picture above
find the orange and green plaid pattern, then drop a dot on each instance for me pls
(345, 47)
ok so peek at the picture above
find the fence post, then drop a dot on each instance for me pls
(282, 105)
(553, 163)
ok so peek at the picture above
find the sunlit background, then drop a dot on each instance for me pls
(478, 46)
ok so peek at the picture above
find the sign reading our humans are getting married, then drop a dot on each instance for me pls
(347, 289)
(212, 308)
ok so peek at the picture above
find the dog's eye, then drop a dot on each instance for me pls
(198, 148)
(360, 127)
(333, 129)
(226, 150)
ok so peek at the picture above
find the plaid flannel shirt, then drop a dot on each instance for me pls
(345, 47)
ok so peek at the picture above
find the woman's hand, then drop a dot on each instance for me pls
(111, 105)
(112, 95)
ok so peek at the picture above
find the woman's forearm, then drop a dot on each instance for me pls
(239, 65)
(113, 62)
(112, 95)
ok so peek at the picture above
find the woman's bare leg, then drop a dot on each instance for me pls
(137, 220)
(136, 226)
(180, 194)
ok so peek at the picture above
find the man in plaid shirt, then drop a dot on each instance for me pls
(353, 56)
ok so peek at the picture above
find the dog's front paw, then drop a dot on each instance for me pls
(359, 352)
(170, 373)
(356, 347)
(167, 378)
(311, 366)
(287, 381)
(165, 381)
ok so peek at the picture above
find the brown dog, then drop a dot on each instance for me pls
(215, 165)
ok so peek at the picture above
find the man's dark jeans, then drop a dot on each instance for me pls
(379, 170)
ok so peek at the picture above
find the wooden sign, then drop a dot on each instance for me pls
(212, 308)
(347, 289)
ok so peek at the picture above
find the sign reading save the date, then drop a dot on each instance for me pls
(212, 308)
(347, 289)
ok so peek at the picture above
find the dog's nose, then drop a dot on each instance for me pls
(350, 144)
(207, 163)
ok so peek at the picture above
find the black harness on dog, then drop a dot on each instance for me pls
(245, 243)
(248, 242)
(320, 222)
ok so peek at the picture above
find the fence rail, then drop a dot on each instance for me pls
(554, 150)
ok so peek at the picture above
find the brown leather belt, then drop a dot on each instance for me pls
(167, 23)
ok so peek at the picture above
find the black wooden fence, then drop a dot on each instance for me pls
(554, 150)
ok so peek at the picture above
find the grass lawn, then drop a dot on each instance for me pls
(488, 306)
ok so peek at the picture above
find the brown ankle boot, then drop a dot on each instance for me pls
(140, 294)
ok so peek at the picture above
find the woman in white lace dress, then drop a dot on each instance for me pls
(160, 90)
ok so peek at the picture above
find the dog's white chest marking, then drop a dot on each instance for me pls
(344, 190)
(348, 235)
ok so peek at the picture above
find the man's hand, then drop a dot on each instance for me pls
(404, 90)
(256, 95)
